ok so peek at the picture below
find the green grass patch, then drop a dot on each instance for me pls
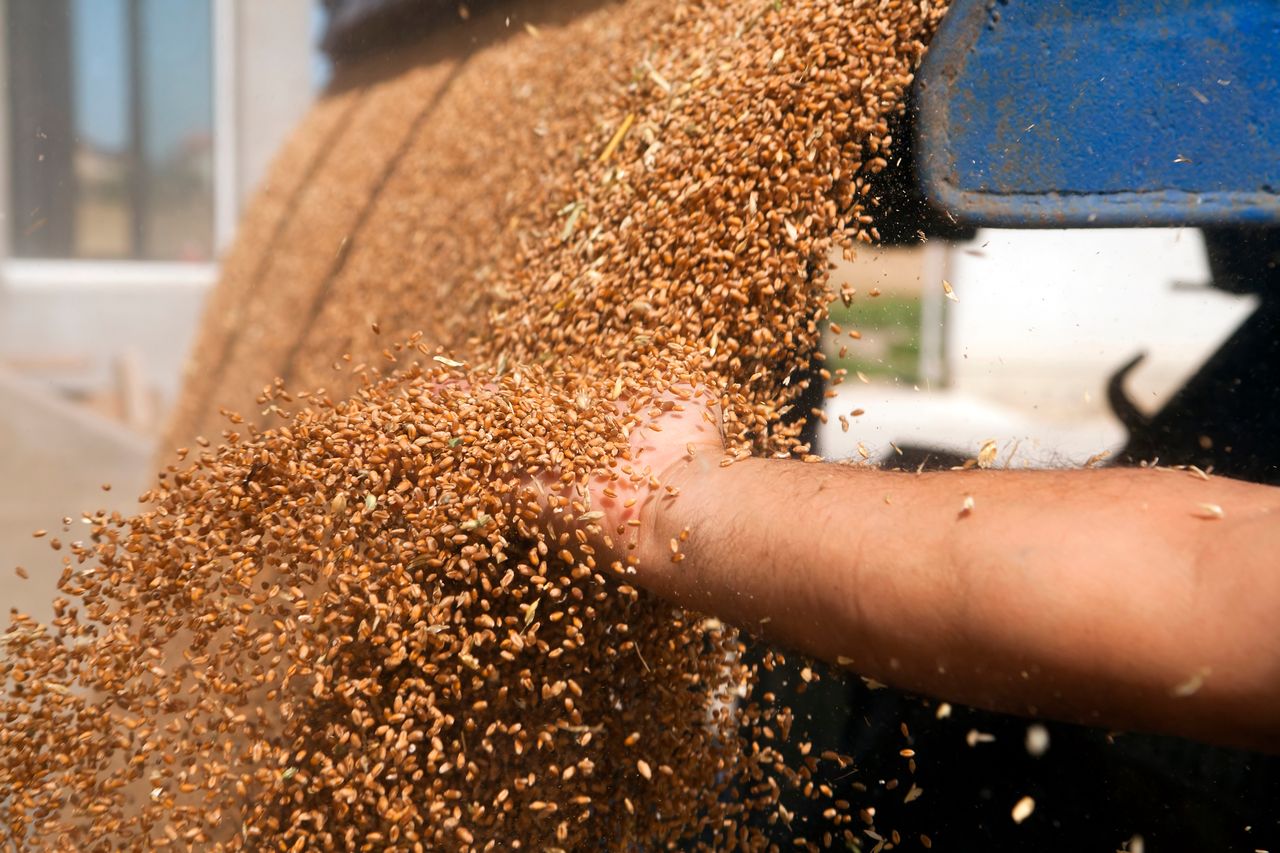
(890, 345)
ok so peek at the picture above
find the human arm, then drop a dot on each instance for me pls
(1111, 597)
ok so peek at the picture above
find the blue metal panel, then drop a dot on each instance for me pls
(1103, 112)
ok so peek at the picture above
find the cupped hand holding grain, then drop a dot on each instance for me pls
(667, 433)
(663, 432)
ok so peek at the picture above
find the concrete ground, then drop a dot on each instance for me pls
(54, 458)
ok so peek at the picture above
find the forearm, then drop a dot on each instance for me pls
(1078, 595)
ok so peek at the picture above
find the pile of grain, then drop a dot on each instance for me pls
(363, 629)
(352, 625)
(476, 197)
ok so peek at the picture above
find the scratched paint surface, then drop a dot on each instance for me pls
(1104, 112)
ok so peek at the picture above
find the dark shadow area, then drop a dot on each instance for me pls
(373, 40)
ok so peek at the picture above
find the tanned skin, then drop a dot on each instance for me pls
(1128, 598)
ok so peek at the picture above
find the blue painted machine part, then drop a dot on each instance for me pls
(1042, 113)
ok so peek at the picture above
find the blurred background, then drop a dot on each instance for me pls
(132, 133)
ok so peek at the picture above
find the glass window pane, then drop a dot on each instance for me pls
(177, 109)
(99, 63)
(111, 128)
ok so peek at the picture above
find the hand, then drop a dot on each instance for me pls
(667, 434)
(672, 432)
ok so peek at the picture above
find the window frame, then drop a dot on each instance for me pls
(37, 273)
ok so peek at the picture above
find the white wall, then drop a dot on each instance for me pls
(275, 65)
(69, 324)
(1041, 321)
(1043, 318)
